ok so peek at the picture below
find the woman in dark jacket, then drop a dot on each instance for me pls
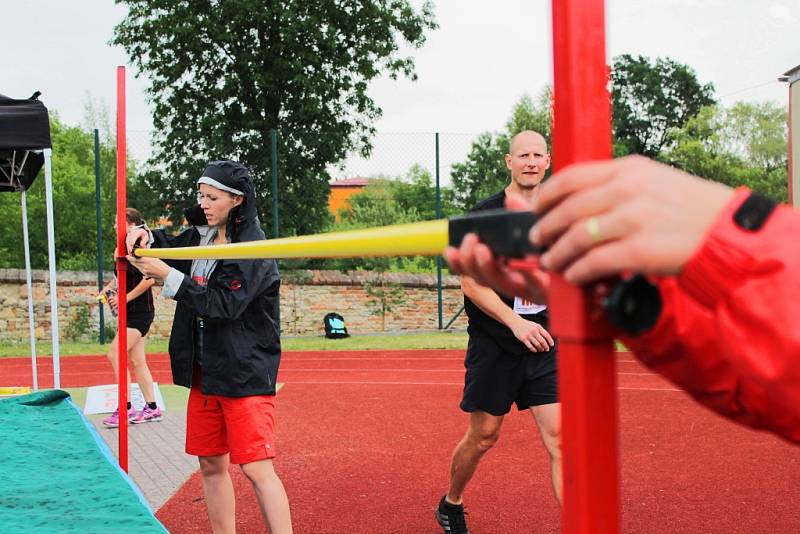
(225, 344)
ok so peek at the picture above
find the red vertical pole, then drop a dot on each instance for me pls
(122, 268)
(587, 381)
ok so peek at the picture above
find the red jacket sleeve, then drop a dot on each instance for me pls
(729, 332)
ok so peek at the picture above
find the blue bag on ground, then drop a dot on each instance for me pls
(334, 326)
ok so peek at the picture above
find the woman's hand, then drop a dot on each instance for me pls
(626, 215)
(113, 303)
(137, 237)
(150, 267)
(476, 260)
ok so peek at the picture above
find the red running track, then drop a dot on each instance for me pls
(76, 371)
(365, 440)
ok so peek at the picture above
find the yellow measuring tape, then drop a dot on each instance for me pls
(428, 238)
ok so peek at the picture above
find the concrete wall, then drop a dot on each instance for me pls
(306, 296)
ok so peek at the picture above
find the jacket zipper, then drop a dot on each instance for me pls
(200, 328)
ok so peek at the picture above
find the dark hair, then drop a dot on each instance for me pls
(133, 216)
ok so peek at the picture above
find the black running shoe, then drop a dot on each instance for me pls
(451, 517)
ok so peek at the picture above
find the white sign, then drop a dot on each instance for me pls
(103, 399)
(527, 307)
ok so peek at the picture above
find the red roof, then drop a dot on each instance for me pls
(357, 181)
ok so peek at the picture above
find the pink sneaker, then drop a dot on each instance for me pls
(112, 421)
(148, 415)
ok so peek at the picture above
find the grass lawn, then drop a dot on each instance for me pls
(392, 341)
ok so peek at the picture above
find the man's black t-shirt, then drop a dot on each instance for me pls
(481, 324)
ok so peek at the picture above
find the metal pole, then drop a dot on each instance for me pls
(274, 164)
(275, 218)
(451, 321)
(51, 260)
(587, 379)
(99, 229)
(31, 328)
(438, 258)
(122, 272)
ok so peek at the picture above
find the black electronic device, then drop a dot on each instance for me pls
(505, 232)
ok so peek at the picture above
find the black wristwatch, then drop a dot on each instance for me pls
(633, 305)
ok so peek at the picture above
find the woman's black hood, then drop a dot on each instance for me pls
(243, 223)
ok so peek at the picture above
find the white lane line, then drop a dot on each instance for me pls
(376, 369)
(289, 357)
(286, 357)
(650, 389)
(342, 382)
(387, 383)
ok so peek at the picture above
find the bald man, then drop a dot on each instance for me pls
(511, 357)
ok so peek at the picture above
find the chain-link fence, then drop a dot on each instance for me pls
(85, 196)
(392, 154)
(395, 156)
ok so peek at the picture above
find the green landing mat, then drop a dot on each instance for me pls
(58, 475)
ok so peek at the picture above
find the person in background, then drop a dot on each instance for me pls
(139, 318)
(511, 356)
(225, 345)
(726, 263)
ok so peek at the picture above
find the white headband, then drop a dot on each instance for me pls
(213, 183)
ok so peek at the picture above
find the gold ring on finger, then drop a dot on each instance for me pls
(593, 227)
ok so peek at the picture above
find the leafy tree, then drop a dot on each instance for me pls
(293, 280)
(383, 202)
(373, 207)
(224, 74)
(79, 325)
(745, 144)
(376, 206)
(139, 193)
(533, 115)
(757, 132)
(416, 193)
(73, 203)
(650, 98)
(485, 173)
(384, 297)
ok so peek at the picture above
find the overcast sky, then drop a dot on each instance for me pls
(471, 70)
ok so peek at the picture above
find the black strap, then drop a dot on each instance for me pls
(754, 212)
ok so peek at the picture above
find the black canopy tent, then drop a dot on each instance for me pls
(24, 129)
(25, 148)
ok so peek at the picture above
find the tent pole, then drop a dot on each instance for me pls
(51, 260)
(32, 333)
(99, 229)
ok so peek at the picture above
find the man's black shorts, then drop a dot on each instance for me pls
(495, 378)
(141, 321)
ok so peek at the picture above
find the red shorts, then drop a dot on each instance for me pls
(241, 426)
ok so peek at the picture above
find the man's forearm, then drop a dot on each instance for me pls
(488, 301)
